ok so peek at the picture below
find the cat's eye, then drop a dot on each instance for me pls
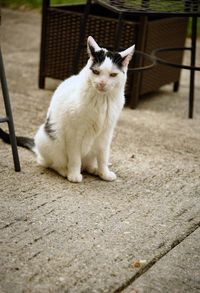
(95, 71)
(113, 74)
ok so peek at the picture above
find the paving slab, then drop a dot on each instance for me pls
(177, 271)
(56, 236)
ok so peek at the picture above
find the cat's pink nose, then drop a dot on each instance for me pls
(102, 84)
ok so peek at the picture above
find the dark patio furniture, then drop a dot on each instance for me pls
(65, 29)
(9, 117)
(147, 8)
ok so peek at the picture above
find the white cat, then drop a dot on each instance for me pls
(83, 112)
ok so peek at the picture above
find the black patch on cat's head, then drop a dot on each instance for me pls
(116, 58)
(100, 56)
(48, 127)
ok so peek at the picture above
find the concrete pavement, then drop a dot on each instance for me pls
(56, 236)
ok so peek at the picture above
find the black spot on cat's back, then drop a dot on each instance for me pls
(49, 129)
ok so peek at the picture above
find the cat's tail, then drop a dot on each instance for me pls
(22, 141)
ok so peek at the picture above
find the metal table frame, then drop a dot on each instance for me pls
(9, 117)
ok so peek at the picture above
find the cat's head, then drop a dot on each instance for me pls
(107, 69)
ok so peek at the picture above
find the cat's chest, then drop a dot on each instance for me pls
(95, 123)
(94, 126)
(100, 118)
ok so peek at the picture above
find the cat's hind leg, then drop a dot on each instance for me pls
(58, 160)
(60, 168)
(50, 153)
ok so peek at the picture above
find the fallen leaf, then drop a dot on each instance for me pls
(138, 263)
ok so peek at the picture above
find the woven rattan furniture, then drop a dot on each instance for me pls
(9, 118)
(63, 50)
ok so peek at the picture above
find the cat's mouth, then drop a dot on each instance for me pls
(101, 89)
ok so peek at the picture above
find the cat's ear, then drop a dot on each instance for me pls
(127, 55)
(92, 46)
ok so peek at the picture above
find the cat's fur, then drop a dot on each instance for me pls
(82, 115)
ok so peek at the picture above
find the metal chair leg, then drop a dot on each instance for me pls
(44, 34)
(192, 72)
(176, 86)
(9, 118)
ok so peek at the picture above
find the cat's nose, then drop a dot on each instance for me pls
(102, 84)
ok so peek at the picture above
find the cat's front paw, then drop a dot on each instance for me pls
(108, 176)
(75, 178)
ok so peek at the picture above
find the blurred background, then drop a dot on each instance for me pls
(37, 4)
